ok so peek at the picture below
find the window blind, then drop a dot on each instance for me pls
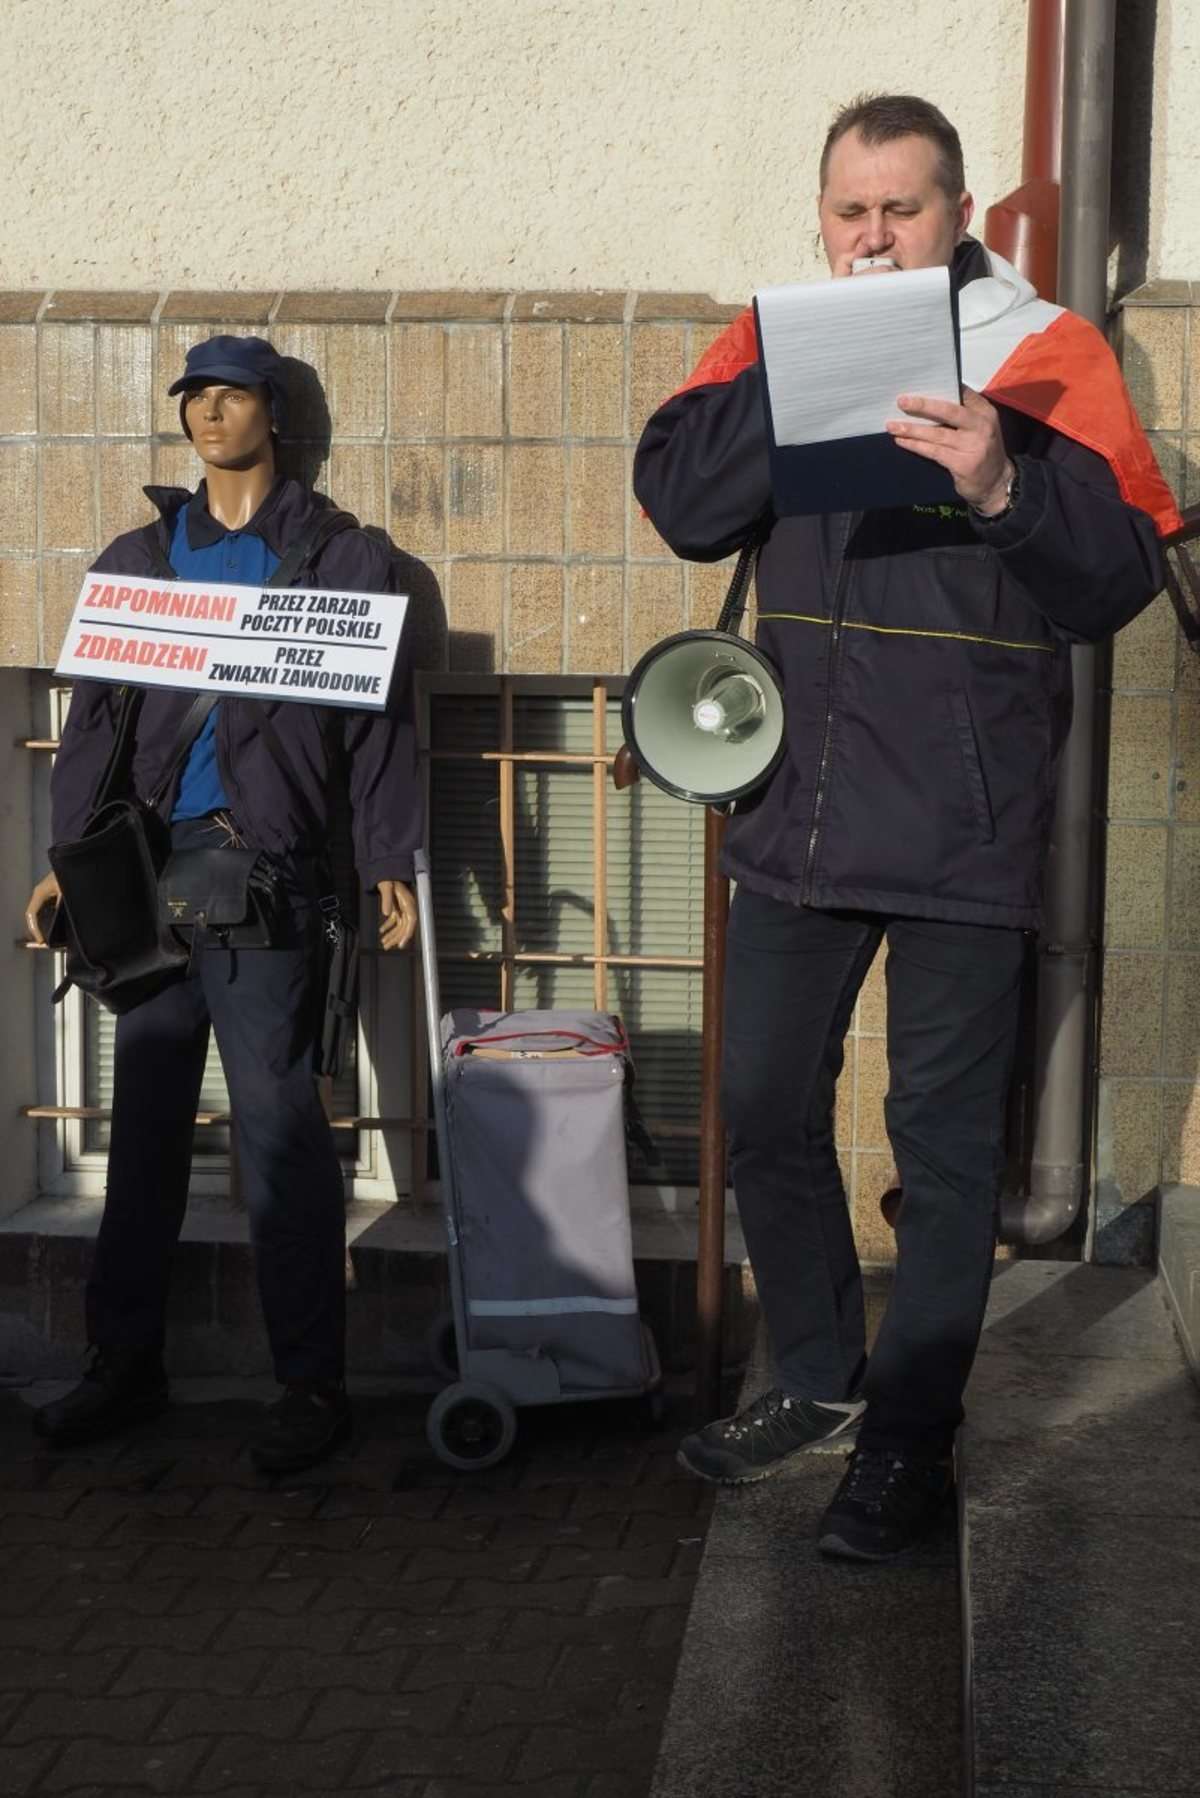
(654, 851)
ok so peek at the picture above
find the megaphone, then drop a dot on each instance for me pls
(703, 716)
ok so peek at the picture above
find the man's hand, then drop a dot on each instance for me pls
(397, 915)
(44, 893)
(965, 439)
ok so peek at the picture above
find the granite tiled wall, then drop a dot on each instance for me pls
(1148, 1125)
(490, 433)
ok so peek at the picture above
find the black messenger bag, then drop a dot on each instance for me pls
(107, 918)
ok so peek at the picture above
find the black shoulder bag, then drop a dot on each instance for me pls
(107, 918)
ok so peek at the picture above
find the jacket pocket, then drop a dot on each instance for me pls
(964, 730)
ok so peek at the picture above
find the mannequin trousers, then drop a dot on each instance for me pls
(262, 1006)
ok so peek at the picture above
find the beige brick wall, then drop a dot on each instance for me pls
(490, 433)
(1148, 1127)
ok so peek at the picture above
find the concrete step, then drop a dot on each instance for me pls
(1080, 1494)
(399, 1287)
(1179, 1264)
(808, 1678)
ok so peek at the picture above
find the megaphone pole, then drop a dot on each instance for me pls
(710, 1241)
(710, 1232)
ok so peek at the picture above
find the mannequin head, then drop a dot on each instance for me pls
(231, 406)
(230, 426)
(232, 400)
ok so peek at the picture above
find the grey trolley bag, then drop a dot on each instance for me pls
(529, 1110)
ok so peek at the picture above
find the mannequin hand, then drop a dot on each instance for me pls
(965, 439)
(397, 915)
(46, 891)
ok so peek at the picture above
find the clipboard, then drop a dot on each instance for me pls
(853, 474)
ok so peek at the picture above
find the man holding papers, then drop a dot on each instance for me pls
(924, 652)
(263, 777)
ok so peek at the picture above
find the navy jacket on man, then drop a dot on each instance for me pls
(280, 814)
(925, 656)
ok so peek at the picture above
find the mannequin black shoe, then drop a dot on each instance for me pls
(121, 1387)
(886, 1503)
(302, 1427)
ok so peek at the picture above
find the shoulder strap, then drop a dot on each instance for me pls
(734, 608)
(190, 726)
(307, 548)
(301, 554)
(117, 768)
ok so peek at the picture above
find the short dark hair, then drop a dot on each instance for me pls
(881, 118)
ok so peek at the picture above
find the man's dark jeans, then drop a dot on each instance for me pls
(263, 1006)
(792, 977)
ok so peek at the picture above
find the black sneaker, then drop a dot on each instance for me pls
(301, 1428)
(120, 1387)
(886, 1502)
(756, 1443)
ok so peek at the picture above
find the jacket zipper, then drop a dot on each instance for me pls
(835, 637)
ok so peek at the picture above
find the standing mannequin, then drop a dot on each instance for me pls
(262, 1004)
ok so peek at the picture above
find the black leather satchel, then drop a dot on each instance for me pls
(107, 917)
(220, 897)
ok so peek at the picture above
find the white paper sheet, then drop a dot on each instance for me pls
(838, 353)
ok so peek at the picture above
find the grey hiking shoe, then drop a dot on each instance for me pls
(757, 1441)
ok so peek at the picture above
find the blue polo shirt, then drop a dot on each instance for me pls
(202, 549)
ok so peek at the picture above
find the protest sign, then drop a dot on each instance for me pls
(322, 648)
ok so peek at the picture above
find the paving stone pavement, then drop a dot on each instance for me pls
(171, 1623)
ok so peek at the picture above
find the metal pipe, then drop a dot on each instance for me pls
(710, 1240)
(1041, 144)
(1023, 226)
(1067, 946)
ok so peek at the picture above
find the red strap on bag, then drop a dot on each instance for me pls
(592, 1045)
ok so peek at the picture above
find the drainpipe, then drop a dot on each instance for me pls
(1023, 226)
(1066, 977)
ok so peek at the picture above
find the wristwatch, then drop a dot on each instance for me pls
(1012, 493)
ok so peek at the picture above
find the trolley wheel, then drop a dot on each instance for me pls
(471, 1426)
(889, 1205)
(441, 1345)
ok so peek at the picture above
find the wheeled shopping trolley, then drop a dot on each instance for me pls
(529, 1110)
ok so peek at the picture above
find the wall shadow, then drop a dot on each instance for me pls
(1133, 119)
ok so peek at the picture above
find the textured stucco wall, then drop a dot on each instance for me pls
(1156, 144)
(463, 143)
(1175, 160)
